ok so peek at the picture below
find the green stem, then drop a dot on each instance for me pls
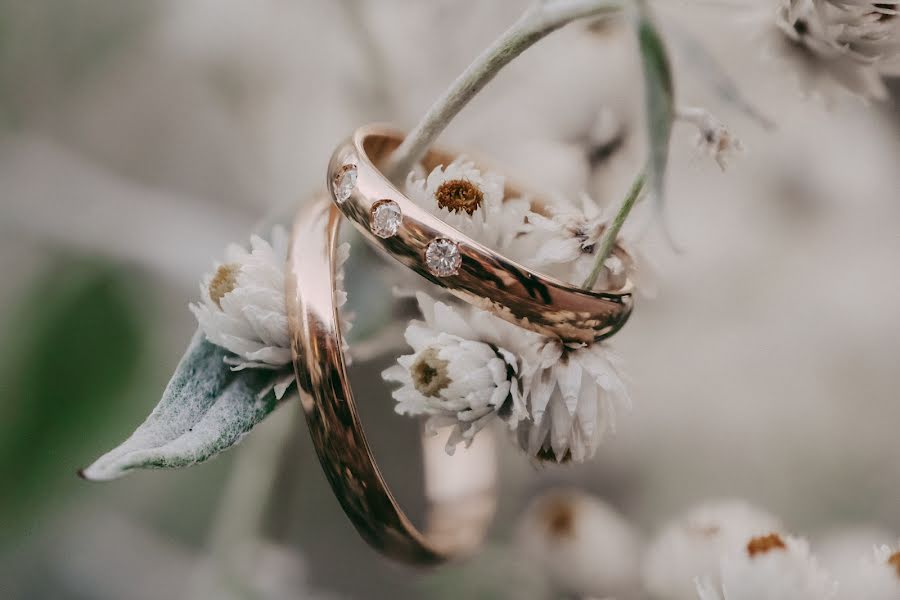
(239, 518)
(608, 241)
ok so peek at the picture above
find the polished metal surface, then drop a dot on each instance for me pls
(460, 489)
(485, 279)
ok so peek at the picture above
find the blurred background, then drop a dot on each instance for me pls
(138, 138)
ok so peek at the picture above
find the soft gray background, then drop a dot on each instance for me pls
(137, 138)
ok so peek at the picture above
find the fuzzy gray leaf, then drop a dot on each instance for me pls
(206, 408)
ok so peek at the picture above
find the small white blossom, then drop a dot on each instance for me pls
(564, 245)
(772, 566)
(585, 547)
(713, 138)
(692, 544)
(876, 578)
(835, 44)
(242, 307)
(465, 370)
(573, 393)
(471, 201)
(563, 397)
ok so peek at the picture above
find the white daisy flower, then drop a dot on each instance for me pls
(713, 138)
(465, 371)
(563, 245)
(877, 577)
(573, 392)
(242, 307)
(691, 545)
(585, 546)
(772, 566)
(471, 201)
(831, 46)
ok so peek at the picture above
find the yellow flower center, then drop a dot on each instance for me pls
(429, 373)
(764, 544)
(223, 282)
(458, 195)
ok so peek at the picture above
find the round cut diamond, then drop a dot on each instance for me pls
(442, 257)
(386, 218)
(344, 182)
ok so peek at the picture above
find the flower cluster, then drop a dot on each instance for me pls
(843, 43)
(729, 550)
(469, 368)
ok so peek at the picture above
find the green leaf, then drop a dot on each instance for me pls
(206, 408)
(659, 102)
(72, 349)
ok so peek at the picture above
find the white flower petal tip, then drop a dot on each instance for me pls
(690, 546)
(585, 547)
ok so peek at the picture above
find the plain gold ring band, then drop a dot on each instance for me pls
(460, 490)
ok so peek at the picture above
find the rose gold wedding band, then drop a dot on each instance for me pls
(445, 256)
(460, 489)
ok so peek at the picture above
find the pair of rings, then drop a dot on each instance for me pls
(461, 489)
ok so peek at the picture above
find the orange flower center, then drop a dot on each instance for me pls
(559, 517)
(764, 544)
(894, 561)
(458, 195)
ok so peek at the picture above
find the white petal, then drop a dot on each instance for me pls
(568, 374)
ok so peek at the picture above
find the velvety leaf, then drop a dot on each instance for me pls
(206, 408)
(659, 103)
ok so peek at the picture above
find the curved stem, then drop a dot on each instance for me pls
(612, 232)
(538, 21)
(239, 517)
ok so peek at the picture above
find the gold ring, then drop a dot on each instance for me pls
(452, 260)
(460, 489)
